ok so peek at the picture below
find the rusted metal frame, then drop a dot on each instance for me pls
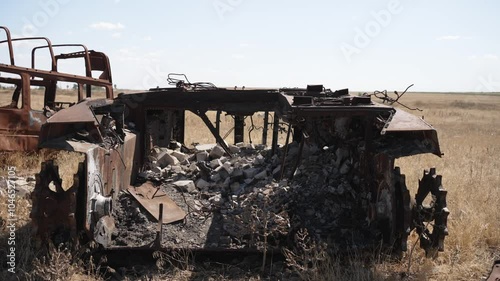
(159, 228)
(266, 124)
(213, 130)
(56, 76)
(10, 80)
(196, 101)
(26, 91)
(101, 57)
(276, 124)
(349, 111)
(106, 68)
(212, 91)
(80, 91)
(9, 43)
(88, 69)
(17, 81)
(97, 128)
(85, 55)
(217, 121)
(49, 45)
(51, 75)
(24, 83)
(233, 102)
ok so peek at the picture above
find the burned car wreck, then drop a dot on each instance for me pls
(117, 170)
(137, 185)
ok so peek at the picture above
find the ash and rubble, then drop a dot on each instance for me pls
(241, 202)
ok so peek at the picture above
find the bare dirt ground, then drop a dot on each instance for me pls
(469, 134)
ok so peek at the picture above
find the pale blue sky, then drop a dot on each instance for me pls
(440, 45)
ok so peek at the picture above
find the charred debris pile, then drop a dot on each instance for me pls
(255, 199)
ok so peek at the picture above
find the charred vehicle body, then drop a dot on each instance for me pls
(334, 175)
(248, 197)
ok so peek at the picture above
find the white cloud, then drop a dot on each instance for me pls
(134, 54)
(449, 37)
(484, 57)
(453, 37)
(116, 35)
(490, 57)
(107, 26)
(147, 38)
(155, 54)
(237, 56)
(126, 52)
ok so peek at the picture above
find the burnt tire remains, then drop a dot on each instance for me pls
(430, 220)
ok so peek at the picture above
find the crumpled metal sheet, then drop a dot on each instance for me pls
(78, 113)
(151, 198)
(413, 135)
(404, 121)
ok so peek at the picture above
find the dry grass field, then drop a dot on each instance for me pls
(469, 130)
(62, 95)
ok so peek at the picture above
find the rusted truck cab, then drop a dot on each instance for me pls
(29, 95)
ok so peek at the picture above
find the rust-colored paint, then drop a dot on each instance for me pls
(21, 126)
